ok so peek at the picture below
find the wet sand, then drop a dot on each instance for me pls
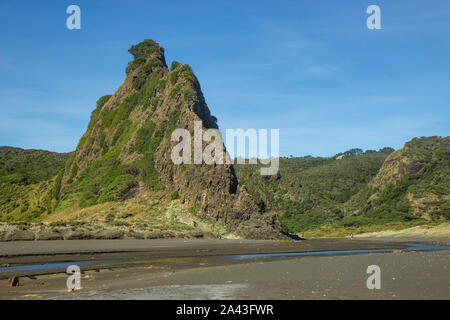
(195, 269)
(28, 252)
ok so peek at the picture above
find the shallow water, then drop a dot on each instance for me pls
(46, 266)
(411, 247)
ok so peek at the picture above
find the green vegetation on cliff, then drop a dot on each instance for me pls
(356, 188)
(106, 178)
(126, 150)
(413, 182)
(311, 191)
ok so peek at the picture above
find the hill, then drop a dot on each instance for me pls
(29, 166)
(414, 182)
(123, 164)
(311, 191)
(356, 190)
(27, 182)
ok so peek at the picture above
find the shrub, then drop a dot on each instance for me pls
(174, 65)
(101, 102)
(175, 91)
(174, 195)
(144, 48)
(162, 84)
(147, 69)
(187, 95)
(125, 108)
(173, 77)
(143, 136)
(148, 90)
(134, 64)
(57, 186)
(193, 210)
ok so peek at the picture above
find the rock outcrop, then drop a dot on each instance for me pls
(127, 149)
(415, 179)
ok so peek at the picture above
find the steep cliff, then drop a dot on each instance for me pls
(126, 149)
(415, 179)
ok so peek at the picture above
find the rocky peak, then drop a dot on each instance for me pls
(126, 149)
(147, 51)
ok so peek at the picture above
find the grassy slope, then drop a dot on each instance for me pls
(27, 182)
(147, 211)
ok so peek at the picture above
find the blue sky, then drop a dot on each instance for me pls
(309, 68)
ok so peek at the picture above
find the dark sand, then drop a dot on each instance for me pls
(194, 269)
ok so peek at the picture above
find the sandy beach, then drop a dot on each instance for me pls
(226, 269)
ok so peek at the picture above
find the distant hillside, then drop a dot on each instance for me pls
(311, 191)
(413, 182)
(29, 166)
(27, 182)
(355, 188)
